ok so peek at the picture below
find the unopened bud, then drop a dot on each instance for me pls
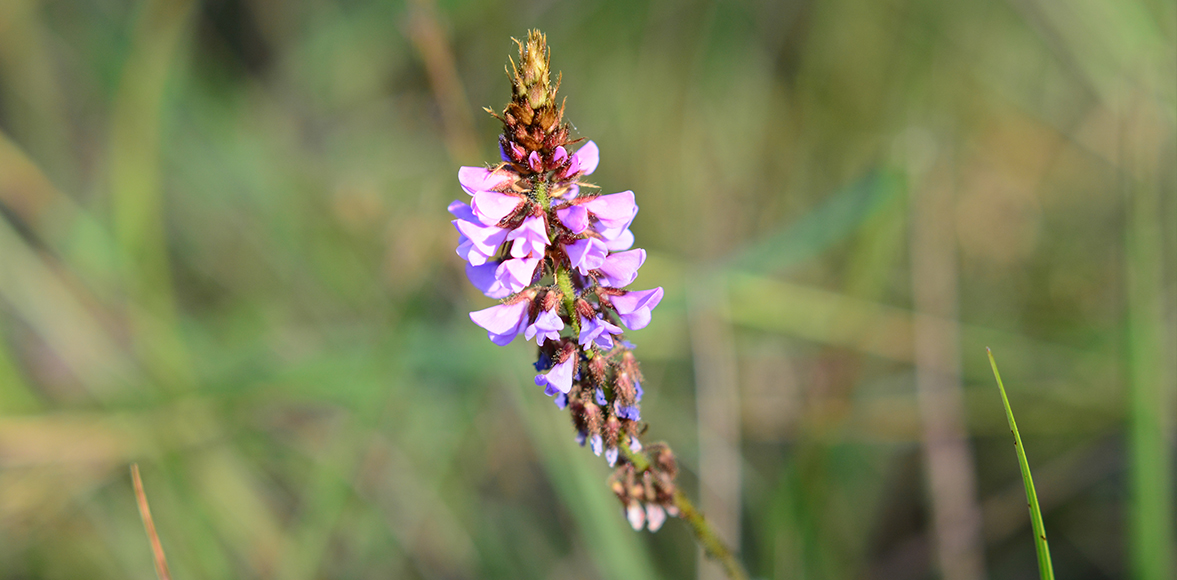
(656, 516)
(584, 309)
(552, 299)
(611, 431)
(597, 367)
(593, 418)
(636, 516)
(623, 386)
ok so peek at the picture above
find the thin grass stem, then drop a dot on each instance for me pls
(1045, 568)
(161, 562)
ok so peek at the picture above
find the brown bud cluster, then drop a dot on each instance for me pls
(647, 495)
(532, 121)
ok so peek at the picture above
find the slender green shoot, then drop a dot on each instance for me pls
(1045, 569)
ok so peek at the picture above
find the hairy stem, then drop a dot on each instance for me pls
(564, 281)
(541, 195)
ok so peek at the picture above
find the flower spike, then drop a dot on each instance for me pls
(558, 255)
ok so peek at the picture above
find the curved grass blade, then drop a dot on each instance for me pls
(1045, 569)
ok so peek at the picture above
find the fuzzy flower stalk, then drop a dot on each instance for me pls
(559, 257)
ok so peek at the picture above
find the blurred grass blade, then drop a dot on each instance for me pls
(837, 218)
(161, 563)
(136, 185)
(1045, 569)
(1151, 534)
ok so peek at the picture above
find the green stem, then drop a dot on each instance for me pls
(564, 281)
(713, 546)
(1045, 568)
(541, 195)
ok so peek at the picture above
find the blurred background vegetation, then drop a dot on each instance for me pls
(225, 255)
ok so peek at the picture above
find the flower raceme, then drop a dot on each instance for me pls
(558, 256)
(519, 240)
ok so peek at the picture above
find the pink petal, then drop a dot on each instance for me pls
(483, 278)
(480, 179)
(621, 268)
(575, 217)
(492, 206)
(516, 274)
(560, 376)
(502, 322)
(586, 254)
(484, 240)
(587, 157)
(615, 210)
(462, 211)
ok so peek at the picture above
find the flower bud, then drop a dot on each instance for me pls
(623, 387)
(597, 367)
(593, 418)
(636, 516)
(611, 431)
(584, 309)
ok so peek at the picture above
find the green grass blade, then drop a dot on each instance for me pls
(1045, 569)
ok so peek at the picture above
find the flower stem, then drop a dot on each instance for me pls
(564, 281)
(713, 546)
(541, 195)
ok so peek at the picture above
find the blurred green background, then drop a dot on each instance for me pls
(225, 255)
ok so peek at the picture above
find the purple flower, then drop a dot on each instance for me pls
(502, 279)
(598, 331)
(599, 397)
(616, 239)
(490, 207)
(575, 217)
(621, 268)
(479, 243)
(462, 211)
(547, 326)
(561, 400)
(585, 160)
(634, 307)
(510, 151)
(630, 412)
(614, 211)
(534, 162)
(531, 238)
(502, 322)
(516, 274)
(560, 377)
(596, 444)
(543, 363)
(475, 179)
(611, 456)
(587, 254)
(483, 278)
